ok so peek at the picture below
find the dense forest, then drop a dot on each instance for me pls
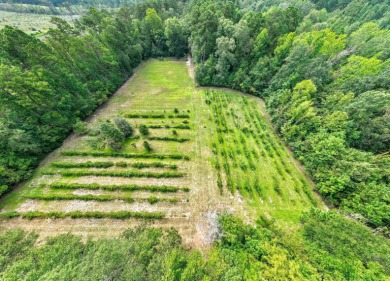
(323, 69)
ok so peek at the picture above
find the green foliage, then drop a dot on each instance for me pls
(143, 130)
(340, 247)
(147, 146)
(124, 126)
(80, 128)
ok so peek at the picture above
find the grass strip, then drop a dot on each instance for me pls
(87, 215)
(123, 174)
(129, 187)
(168, 139)
(89, 164)
(125, 155)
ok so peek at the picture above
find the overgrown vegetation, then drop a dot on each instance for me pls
(241, 252)
(325, 78)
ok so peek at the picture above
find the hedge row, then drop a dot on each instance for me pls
(124, 155)
(101, 198)
(131, 187)
(183, 127)
(90, 164)
(169, 139)
(89, 197)
(157, 116)
(78, 214)
(124, 174)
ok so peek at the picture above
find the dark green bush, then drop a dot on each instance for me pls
(124, 126)
(143, 130)
(147, 146)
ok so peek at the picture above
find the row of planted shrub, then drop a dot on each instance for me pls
(125, 155)
(79, 215)
(107, 164)
(101, 198)
(157, 116)
(123, 174)
(169, 139)
(183, 127)
(124, 187)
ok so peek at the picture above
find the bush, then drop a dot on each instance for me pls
(174, 132)
(176, 110)
(124, 126)
(147, 146)
(3, 189)
(143, 130)
(80, 128)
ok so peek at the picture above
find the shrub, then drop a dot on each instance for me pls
(80, 128)
(124, 126)
(111, 132)
(147, 146)
(3, 189)
(174, 132)
(143, 130)
(176, 110)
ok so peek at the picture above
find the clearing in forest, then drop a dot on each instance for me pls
(212, 150)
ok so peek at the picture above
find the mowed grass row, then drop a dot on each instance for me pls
(248, 156)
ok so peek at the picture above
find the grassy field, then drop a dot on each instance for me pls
(213, 150)
(35, 24)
